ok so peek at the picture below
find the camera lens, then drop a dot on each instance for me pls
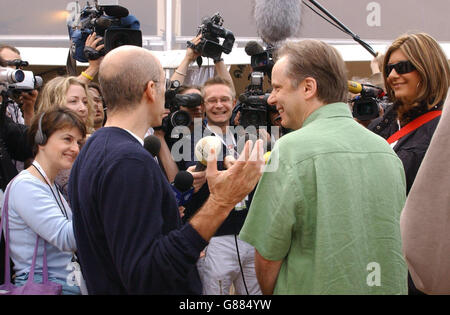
(180, 118)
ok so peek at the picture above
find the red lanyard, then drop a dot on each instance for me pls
(413, 125)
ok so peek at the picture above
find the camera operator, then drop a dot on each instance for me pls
(191, 55)
(21, 111)
(13, 145)
(170, 166)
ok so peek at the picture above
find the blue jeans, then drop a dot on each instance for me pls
(66, 289)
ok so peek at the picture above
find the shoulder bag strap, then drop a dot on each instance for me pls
(5, 218)
(413, 125)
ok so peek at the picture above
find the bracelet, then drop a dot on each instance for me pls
(180, 73)
(87, 76)
(218, 60)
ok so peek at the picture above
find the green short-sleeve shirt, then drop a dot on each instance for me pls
(331, 210)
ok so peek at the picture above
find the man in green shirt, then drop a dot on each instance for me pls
(326, 221)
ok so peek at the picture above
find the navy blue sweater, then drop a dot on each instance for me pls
(126, 223)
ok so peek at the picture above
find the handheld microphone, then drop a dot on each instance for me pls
(277, 20)
(253, 48)
(182, 187)
(202, 149)
(152, 145)
(266, 156)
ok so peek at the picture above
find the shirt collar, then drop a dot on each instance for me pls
(137, 138)
(328, 111)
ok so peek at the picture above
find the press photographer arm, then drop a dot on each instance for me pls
(94, 64)
(169, 166)
(191, 55)
(14, 138)
(222, 72)
(28, 100)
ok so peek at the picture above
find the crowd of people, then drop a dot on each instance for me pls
(329, 219)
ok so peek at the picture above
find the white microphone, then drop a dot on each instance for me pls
(277, 20)
(202, 149)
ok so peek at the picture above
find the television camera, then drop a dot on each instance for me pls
(211, 30)
(112, 22)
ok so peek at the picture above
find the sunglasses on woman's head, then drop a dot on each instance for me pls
(401, 67)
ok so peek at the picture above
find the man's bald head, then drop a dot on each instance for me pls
(124, 74)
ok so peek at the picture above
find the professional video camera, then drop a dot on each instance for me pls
(18, 81)
(253, 103)
(209, 46)
(10, 76)
(366, 106)
(173, 101)
(112, 22)
(263, 62)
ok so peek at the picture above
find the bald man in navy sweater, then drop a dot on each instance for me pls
(126, 222)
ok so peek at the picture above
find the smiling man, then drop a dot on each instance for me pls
(327, 221)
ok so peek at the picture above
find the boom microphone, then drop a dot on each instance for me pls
(253, 48)
(277, 20)
(152, 145)
(202, 149)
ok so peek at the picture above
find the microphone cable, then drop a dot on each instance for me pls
(240, 264)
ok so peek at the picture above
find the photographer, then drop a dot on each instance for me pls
(21, 111)
(13, 145)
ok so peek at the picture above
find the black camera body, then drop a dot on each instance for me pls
(211, 30)
(253, 103)
(263, 62)
(112, 22)
(366, 106)
(173, 101)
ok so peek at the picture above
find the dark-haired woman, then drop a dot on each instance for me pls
(36, 206)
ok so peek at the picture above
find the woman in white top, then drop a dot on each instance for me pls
(36, 206)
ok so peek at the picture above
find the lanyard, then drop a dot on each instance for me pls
(231, 147)
(413, 125)
(75, 266)
(41, 171)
